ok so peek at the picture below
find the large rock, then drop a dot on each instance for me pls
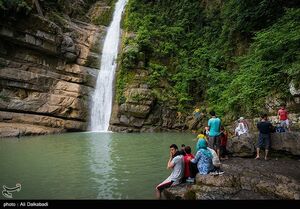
(69, 49)
(139, 111)
(294, 91)
(286, 141)
(11, 117)
(245, 145)
(19, 129)
(242, 146)
(140, 96)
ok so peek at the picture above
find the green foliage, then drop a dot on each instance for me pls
(246, 16)
(4, 97)
(231, 54)
(157, 71)
(137, 98)
(104, 18)
(124, 78)
(100, 15)
(15, 7)
(272, 63)
(130, 56)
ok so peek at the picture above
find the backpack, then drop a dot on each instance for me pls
(279, 129)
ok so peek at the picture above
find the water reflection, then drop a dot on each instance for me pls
(102, 165)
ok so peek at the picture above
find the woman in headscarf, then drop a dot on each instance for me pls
(242, 127)
(203, 158)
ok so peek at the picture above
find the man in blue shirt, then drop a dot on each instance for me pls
(214, 125)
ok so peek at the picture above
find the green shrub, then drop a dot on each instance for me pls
(15, 7)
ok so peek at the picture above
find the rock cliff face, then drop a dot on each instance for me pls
(47, 73)
(140, 112)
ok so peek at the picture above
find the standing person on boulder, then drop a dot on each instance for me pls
(283, 117)
(265, 128)
(214, 125)
(197, 116)
(175, 163)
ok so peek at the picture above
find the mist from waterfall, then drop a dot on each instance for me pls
(102, 97)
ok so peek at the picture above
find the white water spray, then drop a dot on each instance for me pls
(102, 97)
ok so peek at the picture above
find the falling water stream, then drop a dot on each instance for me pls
(102, 97)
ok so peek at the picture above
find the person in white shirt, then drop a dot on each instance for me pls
(175, 163)
(242, 127)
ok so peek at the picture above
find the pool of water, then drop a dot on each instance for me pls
(88, 165)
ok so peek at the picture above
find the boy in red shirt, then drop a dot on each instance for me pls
(283, 117)
(187, 157)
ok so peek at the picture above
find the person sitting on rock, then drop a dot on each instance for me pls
(188, 156)
(216, 163)
(175, 163)
(283, 117)
(182, 151)
(242, 127)
(265, 128)
(203, 159)
(199, 137)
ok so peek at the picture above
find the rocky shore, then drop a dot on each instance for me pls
(246, 178)
(278, 178)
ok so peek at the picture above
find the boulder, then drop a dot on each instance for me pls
(139, 111)
(69, 49)
(140, 96)
(245, 145)
(242, 146)
(286, 141)
(293, 90)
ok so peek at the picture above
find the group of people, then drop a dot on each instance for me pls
(209, 150)
(185, 165)
(265, 128)
(281, 125)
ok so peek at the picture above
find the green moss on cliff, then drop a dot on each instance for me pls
(101, 13)
(124, 79)
(229, 55)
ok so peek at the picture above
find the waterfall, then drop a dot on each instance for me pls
(102, 97)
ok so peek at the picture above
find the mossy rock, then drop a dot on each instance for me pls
(92, 61)
(101, 13)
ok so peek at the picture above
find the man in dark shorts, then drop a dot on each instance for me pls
(265, 128)
(214, 125)
(177, 164)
